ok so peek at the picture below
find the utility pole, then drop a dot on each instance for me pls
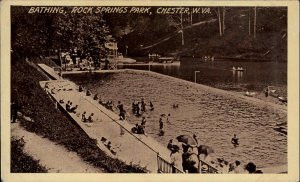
(196, 75)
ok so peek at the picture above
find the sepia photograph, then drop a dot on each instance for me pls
(149, 89)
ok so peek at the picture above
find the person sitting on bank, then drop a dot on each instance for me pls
(134, 129)
(90, 118)
(88, 93)
(83, 117)
(100, 101)
(68, 106)
(109, 105)
(73, 109)
(96, 97)
(138, 129)
(235, 140)
(80, 88)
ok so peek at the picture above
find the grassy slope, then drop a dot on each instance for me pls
(50, 123)
(21, 162)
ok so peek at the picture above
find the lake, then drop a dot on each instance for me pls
(257, 75)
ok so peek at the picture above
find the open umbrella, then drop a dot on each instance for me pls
(187, 139)
(204, 149)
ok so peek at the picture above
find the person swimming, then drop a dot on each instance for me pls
(235, 140)
(151, 106)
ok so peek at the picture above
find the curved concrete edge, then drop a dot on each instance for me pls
(214, 90)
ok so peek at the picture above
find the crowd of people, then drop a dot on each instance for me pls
(188, 157)
(75, 58)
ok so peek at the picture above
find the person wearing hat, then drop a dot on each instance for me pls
(250, 167)
(175, 158)
(170, 145)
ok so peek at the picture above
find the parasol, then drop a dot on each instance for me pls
(187, 139)
(204, 149)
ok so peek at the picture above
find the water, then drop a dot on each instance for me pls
(214, 118)
(218, 73)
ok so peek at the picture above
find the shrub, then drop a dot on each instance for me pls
(21, 162)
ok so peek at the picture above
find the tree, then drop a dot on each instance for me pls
(177, 22)
(34, 33)
(86, 32)
(254, 24)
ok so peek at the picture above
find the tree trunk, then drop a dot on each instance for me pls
(254, 24)
(182, 38)
(249, 15)
(223, 20)
(220, 25)
(191, 18)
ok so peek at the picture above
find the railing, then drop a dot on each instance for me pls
(166, 167)
(208, 169)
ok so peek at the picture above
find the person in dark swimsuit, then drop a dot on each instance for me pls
(235, 140)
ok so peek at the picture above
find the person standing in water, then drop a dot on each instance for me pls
(235, 140)
(143, 123)
(151, 106)
(143, 105)
(121, 110)
(161, 126)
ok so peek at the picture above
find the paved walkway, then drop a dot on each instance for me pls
(130, 148)
(50, 71)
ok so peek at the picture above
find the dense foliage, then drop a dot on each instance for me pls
(33, 34)
(21, 162)
(51, 123)
(203, 37)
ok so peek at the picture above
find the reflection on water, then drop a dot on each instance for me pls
(220, 74)
(237, 76)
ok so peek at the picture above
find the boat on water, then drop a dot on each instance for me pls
(162, 59)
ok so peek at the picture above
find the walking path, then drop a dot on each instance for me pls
(54, 158)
